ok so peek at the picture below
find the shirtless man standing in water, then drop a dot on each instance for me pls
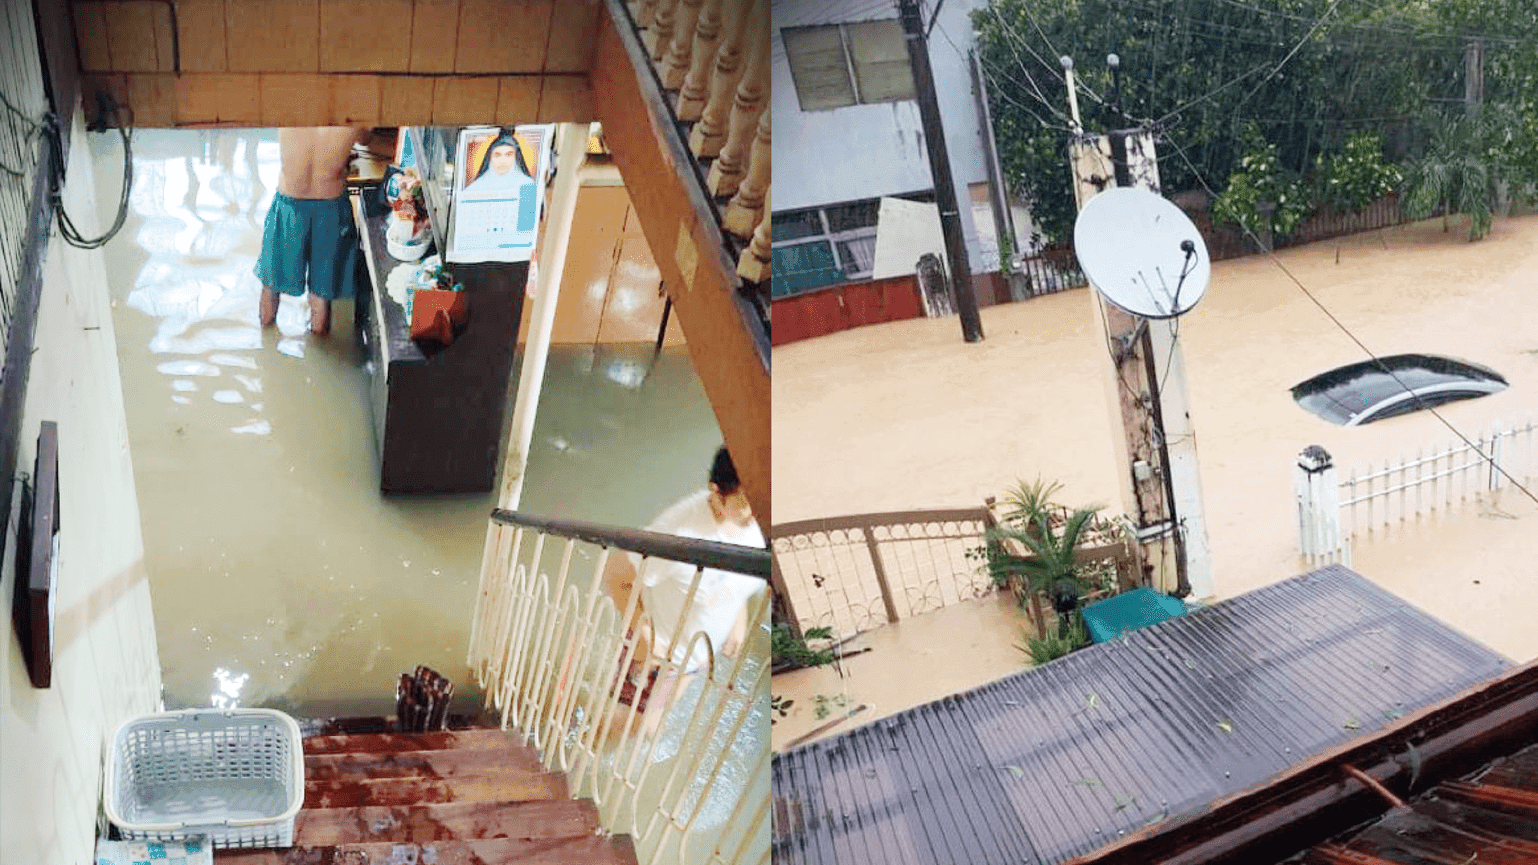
(309, 229)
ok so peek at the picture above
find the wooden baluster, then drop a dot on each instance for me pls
(710, 132)
(742, 214)
(676, 60)
(726, 172)
(695, 86)
(644, 12)
(660, 34)
(755, 263)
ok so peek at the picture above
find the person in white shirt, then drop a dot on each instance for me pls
(720, 512)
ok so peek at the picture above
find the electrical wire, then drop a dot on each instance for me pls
(67, 228)
(1295, 49)
(1003, 92)
(1419, 402)
(50, 128)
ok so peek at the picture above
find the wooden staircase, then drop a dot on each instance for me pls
(463, 797)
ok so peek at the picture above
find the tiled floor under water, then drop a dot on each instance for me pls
(281, 576)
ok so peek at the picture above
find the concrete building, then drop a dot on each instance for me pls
(849, 134)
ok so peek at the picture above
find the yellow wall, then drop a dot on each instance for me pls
(609, 290)
(106, 667)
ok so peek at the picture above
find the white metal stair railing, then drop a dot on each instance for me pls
(687, 777)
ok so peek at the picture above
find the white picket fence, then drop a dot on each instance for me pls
(1334, 510)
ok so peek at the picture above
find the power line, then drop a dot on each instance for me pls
(1295, 49)
(1003, 92)
(1420, 403)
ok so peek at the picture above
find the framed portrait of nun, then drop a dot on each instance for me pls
(499, 191)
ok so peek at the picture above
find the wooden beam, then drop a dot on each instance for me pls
(1310, 802)
(730, 349)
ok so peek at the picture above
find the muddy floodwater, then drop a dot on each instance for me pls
(280, 575)
(913, 417)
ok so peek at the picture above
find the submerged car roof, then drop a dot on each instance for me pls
(1372, 390)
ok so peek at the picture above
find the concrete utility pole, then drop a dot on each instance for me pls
(1146, 387)
(940, 169)
(998, 194)
(1473, 75)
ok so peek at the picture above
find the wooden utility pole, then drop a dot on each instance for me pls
(940, 169)
(1146, 388)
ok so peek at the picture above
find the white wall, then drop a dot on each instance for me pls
(867, 151)
(106, 667)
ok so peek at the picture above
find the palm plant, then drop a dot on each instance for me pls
(1027, 501)
(1050, 566)
(1459, 170)
(1030, 506)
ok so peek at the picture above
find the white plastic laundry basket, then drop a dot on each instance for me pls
(234, 775)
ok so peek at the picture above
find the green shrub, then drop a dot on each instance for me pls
(1357, 175)
(1055, 645)
(1261, 180)
(787, 648)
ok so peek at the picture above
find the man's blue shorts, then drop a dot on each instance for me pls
(314, 235)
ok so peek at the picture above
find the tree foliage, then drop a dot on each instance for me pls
(1307, 74)
(1467, 156)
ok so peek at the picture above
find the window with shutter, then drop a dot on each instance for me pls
(835, 65)
(819, 66)
(879, 54)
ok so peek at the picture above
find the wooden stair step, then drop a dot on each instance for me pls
(419, 764)
(491, 784)
(563, 818)
(378, 743)
(588, 850)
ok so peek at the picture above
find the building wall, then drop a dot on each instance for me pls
(106, 667)
(867, 151)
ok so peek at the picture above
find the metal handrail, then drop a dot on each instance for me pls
(737, 558)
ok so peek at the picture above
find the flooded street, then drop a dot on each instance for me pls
(916, 418)
(280, 575)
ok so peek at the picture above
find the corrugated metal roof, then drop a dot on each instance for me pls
(1058, 761)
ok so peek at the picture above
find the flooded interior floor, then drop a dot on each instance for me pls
(281, 576)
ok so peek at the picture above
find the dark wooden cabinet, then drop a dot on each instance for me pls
(438, 410)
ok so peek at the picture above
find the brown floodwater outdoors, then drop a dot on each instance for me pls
(913, 417)
(280, 575)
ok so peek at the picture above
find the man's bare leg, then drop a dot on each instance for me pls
(320, 315)
(269, 307)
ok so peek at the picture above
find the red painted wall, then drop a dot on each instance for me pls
(840, 307)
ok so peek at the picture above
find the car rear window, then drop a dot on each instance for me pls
(1364, 392)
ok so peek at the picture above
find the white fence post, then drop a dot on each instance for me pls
(1496, 434)
(1318, 494)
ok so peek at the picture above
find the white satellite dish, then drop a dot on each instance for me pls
(1142, 253)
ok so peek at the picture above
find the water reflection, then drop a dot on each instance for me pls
(227, 688)
(270, 549)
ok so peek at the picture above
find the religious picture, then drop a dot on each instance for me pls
(499, 189)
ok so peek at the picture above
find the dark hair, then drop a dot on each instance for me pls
(723, 474)
(504, 138)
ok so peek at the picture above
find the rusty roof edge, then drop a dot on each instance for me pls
(1311, 801)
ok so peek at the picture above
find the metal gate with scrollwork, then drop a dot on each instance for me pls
(859, 572)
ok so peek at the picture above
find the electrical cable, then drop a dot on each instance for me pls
(67, 228)
(49, 127)
(1003, 92)
(1419, 402)
(1295, 49)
